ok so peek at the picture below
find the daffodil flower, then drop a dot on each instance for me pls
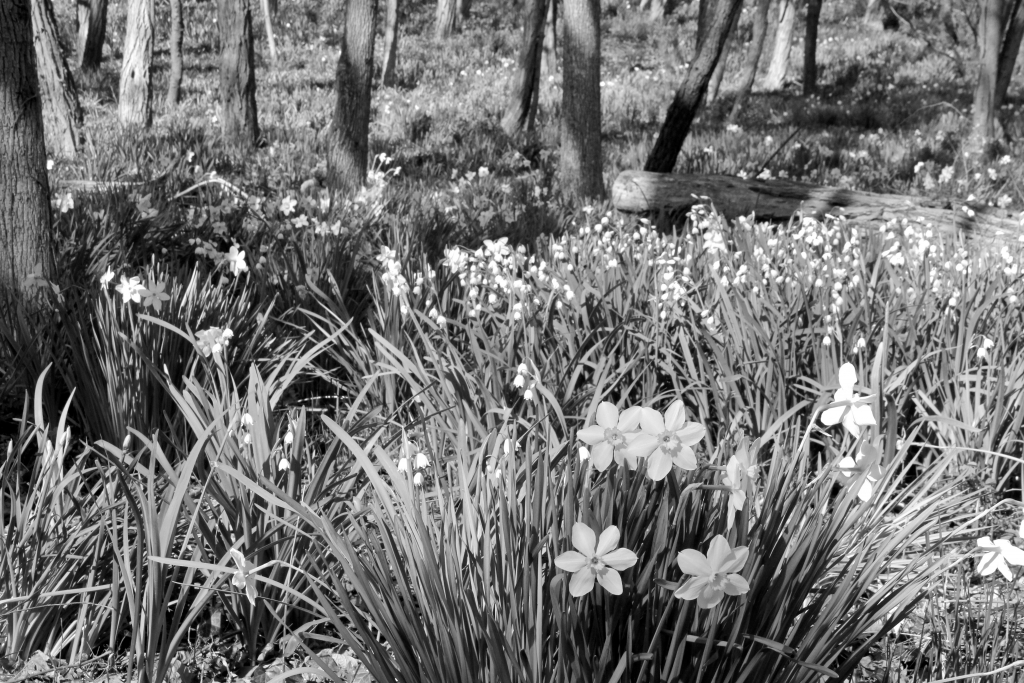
(714, 576)
(610, 436)
(999, 554)
(596, 559)
(666, 441)
(130, 290)
(848, 406)
(106, 278)
(236, 260)
(741, 474)
(245, 577)
(867, 462)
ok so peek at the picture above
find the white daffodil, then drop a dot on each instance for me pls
(610, 436)
(998, 555)
(867, 462)
(596, 559)
(245, 577)
(666, 441)
(848, 406)
(741, 475)
(713, 576)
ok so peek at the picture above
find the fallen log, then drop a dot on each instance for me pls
(780, 200)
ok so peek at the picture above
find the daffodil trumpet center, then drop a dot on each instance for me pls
(669, 442)
(615, 437)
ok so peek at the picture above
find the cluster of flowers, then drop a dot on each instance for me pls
(520, 382)
(233, 259)
(131, 289)
(413, 461)
(213, 341)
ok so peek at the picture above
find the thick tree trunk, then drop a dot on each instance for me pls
(177, 38)
(446, 18)
(62, 112)
(689, 95)
(527, 83)
(811, 47)
(237, 73)
(135, 104)
(749, 72)
(990, 36)
(92, 29)
(388, 75)
(779, 200)
(715, 84)
(268, 25)
(1009, 50)
(24, 188)
(779, 65)
(549, 52)
(346, 161)
(581, 169)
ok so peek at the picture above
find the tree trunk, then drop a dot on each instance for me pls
(580, 168)
(135, 104)
(549, 53)
(1012, 38)
(811, 47)
(446, 18)
(990, 36)
(177, 38)
(779, 65)
(237, 74)
(24, 187)
(527, 82)
(948, 24)
(689, 95)
(749, 72)
(715, 84)
(92, 29)
(268, 25)
(350, 147)
(388, 76)
(62, 112)
(464, 9)
(779, 200)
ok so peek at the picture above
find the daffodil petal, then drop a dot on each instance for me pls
(611, 581)
(735, 584)
(675, 416)
(659, 464)
(863, 415)
(710, 597)
(737, 559)
(989, 563)
(584, 539)
(693, 562)
(1013, 554)
(608, 540)
(238, 557)
(691, 433)
(629, 420)
(607, 415)
(684, 458)
(621, 558)
(581, 583)
(592, 435)
(641, 446)
(602, 455)
(719, 552)
(832, 416)
(571, 561)
(847, 376)
(691, 588)
(651, 421)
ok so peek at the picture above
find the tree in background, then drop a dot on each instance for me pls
(749, 71)
(389, 74)
(350, 141)
(811, 47)
(549, 51)
(177, 39)
(990, 36)
(446, 18)
(135, 104)
(92, 29)
(1010, 48)
(62, 112)
(464, 9)
(24, 187)
(581, 100)
(522, 110)
(691, 92)
(268, 26)
(237, 73)
(779, 64)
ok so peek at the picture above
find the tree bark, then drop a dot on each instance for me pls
(62, 112)
(689, 95)
(811, 47)
(580, 167)
(990, 36)
(268, 25)
(1012, 38)
(177, 38)
(779, 65)
(92, 29)
(718, 75)
(549, 52)
(24, 187)
(753, 56)
(527, 82)
(779, 200)
(388, 75)
(446, 18)
(350, 146)
(135, 104)
(237, 74)
(464, 9)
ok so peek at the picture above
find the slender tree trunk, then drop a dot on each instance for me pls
(689, 95)
(990, 36)
(24, 187)
(549, 53)
(135, 105)
(779, 65)
(581, 168)
(811, 47)
(753, 56)
(346, 161)
(237, 73)
(446, 18)
(92, 29)
(1009, 51)
(464, 9)
(62, 112)
(177, 38)
(268, 25)
(388, 76)
(527, 81)
(715, 84)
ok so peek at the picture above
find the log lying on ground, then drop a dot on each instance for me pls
(779, 200)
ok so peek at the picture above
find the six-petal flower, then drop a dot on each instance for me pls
(848, 406)
(666, 441)
(245, 577)
(610, 436)
(713, 576)
(595, 559)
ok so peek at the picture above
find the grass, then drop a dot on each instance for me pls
(390, 433)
